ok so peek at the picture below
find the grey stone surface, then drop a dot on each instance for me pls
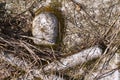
(83, 24)
(108, 72)
(89, 21)
(75, 59)
(45, 28)
(114, 74)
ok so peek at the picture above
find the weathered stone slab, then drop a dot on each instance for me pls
(75, 59)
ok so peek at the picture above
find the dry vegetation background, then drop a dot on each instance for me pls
(84, 23)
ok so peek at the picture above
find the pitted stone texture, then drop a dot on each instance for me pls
(16, 6)
(75, 59)
(45, 28)
(90, 22)
(115, 74)
(108, 72)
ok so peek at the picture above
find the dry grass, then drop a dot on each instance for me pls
(20, 57)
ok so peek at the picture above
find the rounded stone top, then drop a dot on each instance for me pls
(45, 28)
